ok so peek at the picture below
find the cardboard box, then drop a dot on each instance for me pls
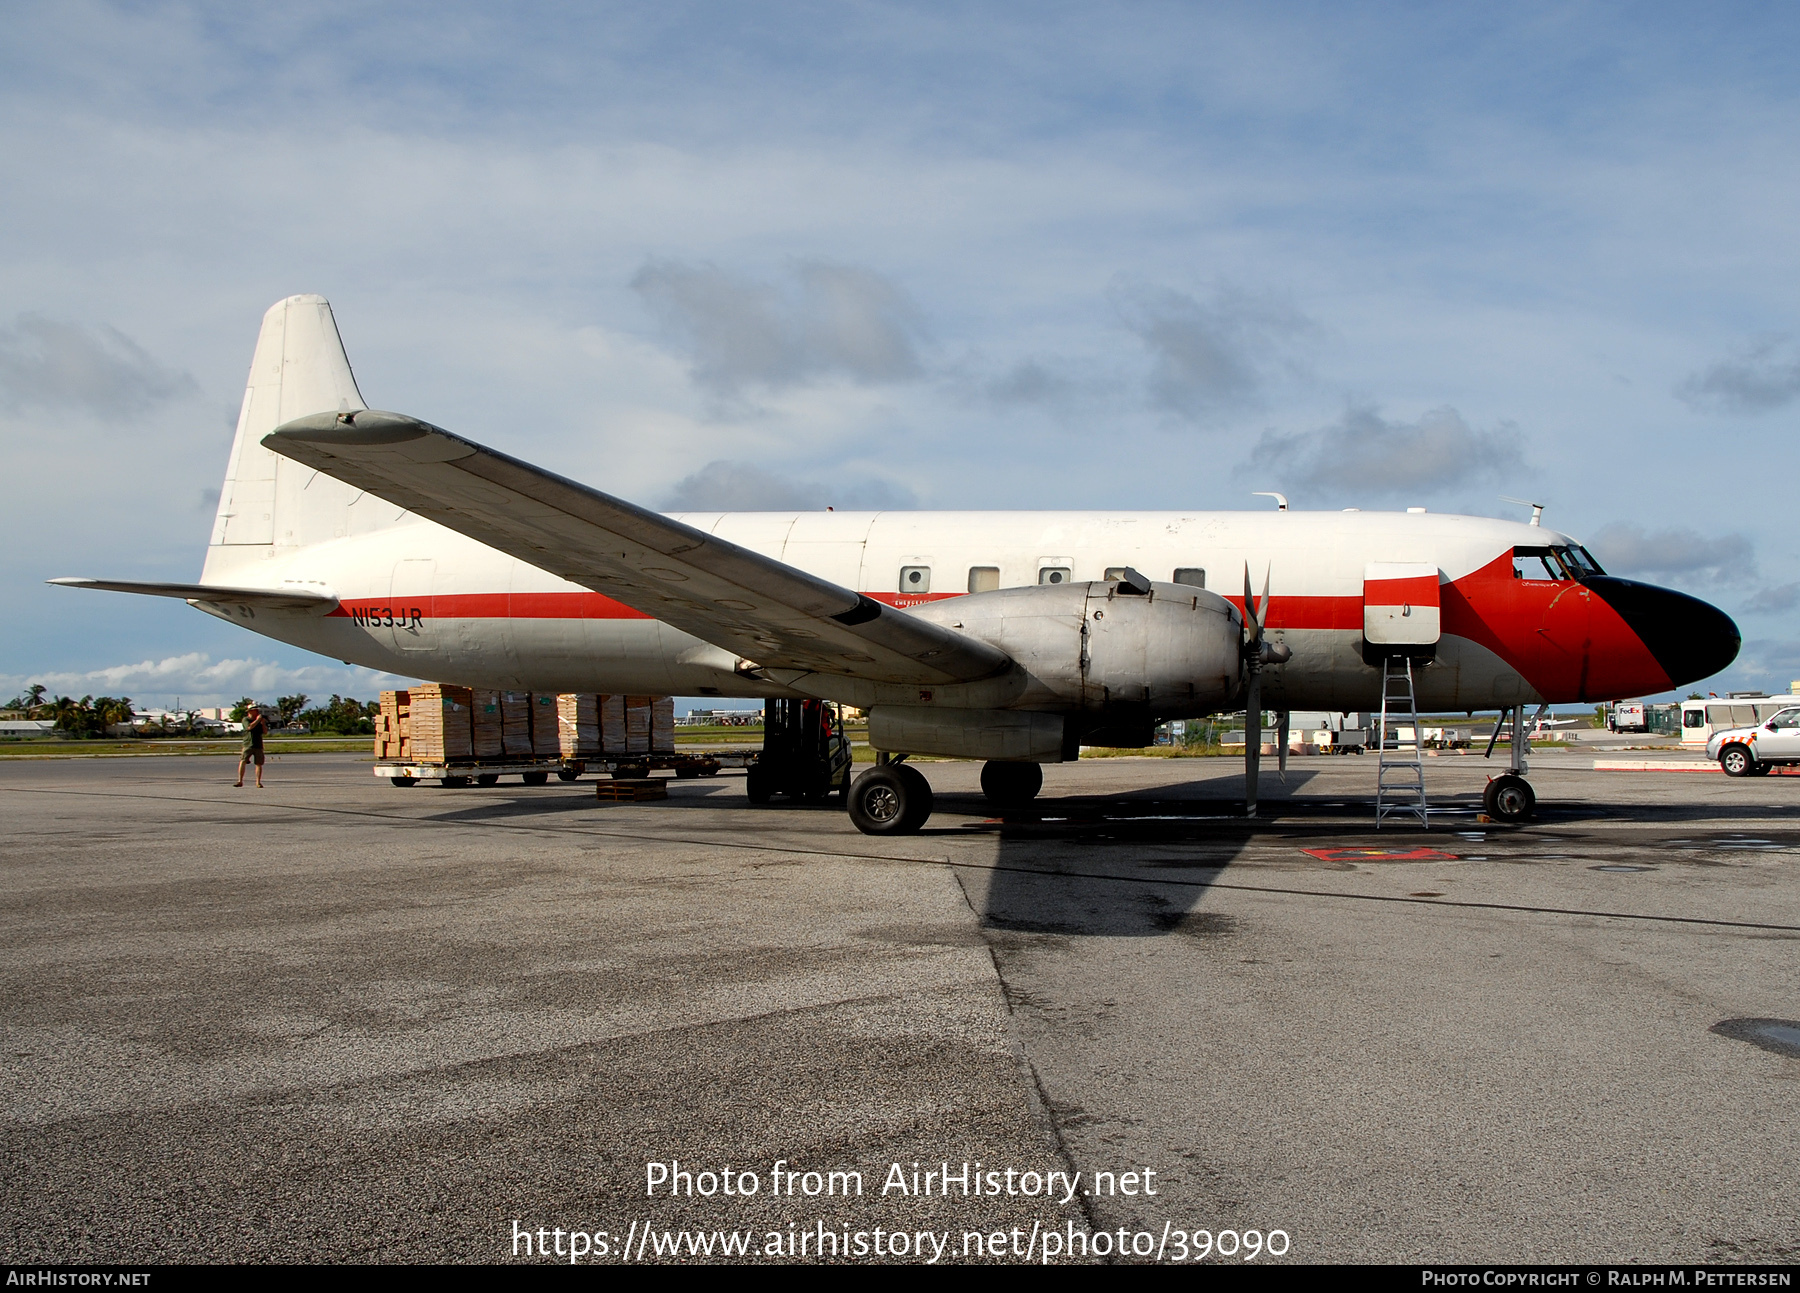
(488, 736)
(662, 725)
(515, 723)
(578, 724)
(442, 725)
(637, 724)
(612, 724)
(545, 739)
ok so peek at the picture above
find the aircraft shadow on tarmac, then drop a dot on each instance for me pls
(1134, 865)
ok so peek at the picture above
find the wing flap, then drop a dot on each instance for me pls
(762, 609)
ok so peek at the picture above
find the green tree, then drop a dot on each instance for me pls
(241, 710)
(288, 708)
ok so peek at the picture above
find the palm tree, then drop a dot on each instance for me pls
(34, 698)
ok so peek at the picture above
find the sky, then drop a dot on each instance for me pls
(907, 255)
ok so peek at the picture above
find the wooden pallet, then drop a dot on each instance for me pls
(632, 791)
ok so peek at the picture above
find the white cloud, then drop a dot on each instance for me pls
(1214, 357)
(53, 364)
(1627, 548)
(1765, 377)
(826, 320)
(745, 487)
(1366, 456)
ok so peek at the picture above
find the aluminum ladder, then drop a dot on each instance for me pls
(1399, 777)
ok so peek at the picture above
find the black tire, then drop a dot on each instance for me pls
(1509, 798)
(404, 781)
(890, 800)
(487, 778)
(756, 785)
(535, 778)
(1010, 785)
(1763, 769)
(631, 772)
(455, 783)
(1737, 761)
(567, 774)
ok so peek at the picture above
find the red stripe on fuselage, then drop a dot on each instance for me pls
(1561, 637)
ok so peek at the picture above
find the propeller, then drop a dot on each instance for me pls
(1257, 653)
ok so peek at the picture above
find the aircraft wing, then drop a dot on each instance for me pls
(761, 609)
(269, 599)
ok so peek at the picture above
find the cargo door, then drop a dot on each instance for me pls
(1400, 607)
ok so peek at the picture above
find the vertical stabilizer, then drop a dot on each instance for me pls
(270, 505)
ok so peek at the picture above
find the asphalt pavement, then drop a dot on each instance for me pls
(340, 1020)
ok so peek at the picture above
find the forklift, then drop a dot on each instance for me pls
(804, 755)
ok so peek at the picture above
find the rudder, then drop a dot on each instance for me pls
(270, 505)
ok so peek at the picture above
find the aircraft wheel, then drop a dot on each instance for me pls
(535, 778)
(757, 785)
(1509, 798)
(567, 774)
(1010, 785)
(890, 800)
(1736, 761)
(404, 781)
(487, 778)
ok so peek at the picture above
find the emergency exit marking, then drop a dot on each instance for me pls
(1420, 854)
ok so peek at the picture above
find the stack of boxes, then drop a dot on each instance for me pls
(437, 723)
(439, 729)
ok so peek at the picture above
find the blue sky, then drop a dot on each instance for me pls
(896, 255)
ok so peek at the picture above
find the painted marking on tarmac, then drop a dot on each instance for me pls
(1377, 854)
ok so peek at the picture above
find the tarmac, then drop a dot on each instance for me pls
(335, 1020)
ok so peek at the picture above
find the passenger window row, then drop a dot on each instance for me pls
(986, 579)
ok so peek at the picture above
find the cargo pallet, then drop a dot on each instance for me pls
(537, 772)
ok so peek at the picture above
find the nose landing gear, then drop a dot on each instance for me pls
(1509, 797)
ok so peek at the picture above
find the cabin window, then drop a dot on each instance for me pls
(984, 579)
(1053, 574)
(1192, 576)
(915, 579)
(1693, 718)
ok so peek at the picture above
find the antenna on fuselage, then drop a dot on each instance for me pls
(1280, 499)
(1537, 509)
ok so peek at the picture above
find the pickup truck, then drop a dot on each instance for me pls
(1752, 751)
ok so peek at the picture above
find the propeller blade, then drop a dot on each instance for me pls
(1252, 738)
(1252, 623)
(1281, 742)
(1262, 608)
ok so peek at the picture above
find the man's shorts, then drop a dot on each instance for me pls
(252, 756)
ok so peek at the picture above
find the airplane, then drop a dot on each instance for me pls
(1009, 637)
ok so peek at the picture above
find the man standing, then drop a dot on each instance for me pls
(255, 725)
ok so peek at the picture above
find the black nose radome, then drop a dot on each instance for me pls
(1690, 639)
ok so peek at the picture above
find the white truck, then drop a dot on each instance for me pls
(1628, 716)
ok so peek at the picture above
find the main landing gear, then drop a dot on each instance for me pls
(893, 798)
(1509, 797)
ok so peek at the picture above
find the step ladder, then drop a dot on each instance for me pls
(1400, 774)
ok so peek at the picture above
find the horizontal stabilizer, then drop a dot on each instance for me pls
(268, 599)
(761, 609)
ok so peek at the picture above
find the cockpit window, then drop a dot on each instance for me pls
(1538, 563)
(1579, 562)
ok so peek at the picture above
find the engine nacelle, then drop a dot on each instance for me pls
(1111, 653)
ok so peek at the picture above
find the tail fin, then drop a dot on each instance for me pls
(270, 505)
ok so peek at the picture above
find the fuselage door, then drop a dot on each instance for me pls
(1400, 605)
